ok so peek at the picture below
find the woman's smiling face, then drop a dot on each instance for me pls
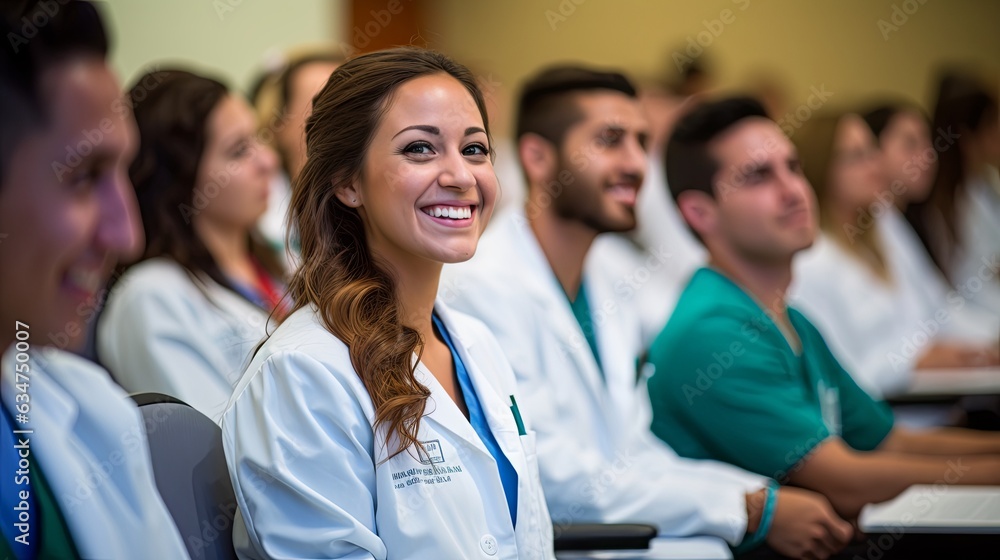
(427, 187)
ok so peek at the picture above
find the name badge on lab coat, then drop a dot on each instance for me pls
(431, 453)
(829, 402)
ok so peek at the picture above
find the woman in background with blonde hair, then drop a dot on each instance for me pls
(375, 422)
(879, 326)
(282, 97)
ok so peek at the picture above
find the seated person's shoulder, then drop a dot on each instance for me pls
(159, 284)
(303, 353)
(81, 381)
(712, 307)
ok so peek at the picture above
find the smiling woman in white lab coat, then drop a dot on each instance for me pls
(185, 319)
(375, 422)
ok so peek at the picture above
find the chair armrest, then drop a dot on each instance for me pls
(604, 536)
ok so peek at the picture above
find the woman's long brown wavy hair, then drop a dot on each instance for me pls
(353, 292)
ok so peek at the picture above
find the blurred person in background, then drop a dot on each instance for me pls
(76, 481)
(183, 320)
(574, 340)
(660, 233)
(744, 377)
(909, 162)
(282, 98)
(878, 323)
(960, 223)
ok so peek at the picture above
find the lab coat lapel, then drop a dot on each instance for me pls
(618, 338)
(566, 327)
(497, 410)
(445, 415)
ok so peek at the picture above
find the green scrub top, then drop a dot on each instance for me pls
(728, 386)
(581, 310)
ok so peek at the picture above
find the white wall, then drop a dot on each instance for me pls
(226, 38)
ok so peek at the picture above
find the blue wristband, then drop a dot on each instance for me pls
(753, 540)
(768, 516)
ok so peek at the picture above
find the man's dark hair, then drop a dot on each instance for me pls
(689, 165)
(544, 107)
(38, 35)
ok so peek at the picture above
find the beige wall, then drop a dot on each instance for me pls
(836, 43)
(227, 37)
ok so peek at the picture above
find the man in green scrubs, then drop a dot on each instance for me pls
(742, 378)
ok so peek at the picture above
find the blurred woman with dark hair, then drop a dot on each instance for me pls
(183, 320)
(960, 223)
(910, 163)
(381, 423)
(878, 324)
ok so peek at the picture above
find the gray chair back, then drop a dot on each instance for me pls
(191, 474)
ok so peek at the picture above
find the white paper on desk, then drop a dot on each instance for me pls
(662, 548)
(957, 382)
(938, 508)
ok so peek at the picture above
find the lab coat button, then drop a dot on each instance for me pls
(488, 544)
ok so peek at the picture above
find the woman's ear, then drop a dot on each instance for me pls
(348, 193)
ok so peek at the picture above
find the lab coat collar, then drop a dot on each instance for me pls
(447, 416)
(60, 408)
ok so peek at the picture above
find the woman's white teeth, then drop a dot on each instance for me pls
(450, 212)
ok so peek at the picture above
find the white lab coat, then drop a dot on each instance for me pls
(274, 223)
(877, 329)
(165, 331)
(975, 269)
(314, 480)
(910, 263)
(647, 280)
(660, 225)
(598, 458)
(90, 442)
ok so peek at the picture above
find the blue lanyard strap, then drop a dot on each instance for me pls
(19, 516)
(508, 476)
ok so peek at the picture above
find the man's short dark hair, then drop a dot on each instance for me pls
(544, 107)
(38, 34)
(689, 165)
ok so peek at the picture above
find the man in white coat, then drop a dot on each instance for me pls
(75, 473)
(574, 344)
